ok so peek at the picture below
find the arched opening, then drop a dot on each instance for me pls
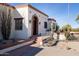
(34, 25)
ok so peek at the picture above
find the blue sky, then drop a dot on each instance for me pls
(59, 11)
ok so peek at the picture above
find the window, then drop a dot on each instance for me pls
(45, 24)
(18, 23)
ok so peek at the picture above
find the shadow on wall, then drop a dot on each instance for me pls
(19, 34)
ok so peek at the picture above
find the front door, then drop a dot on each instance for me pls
(34, 26)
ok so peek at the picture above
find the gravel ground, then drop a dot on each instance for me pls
(62, 49)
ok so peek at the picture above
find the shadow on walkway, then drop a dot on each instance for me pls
(24, 51)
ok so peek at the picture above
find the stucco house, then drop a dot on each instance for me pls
(28, 21)
(50, 22)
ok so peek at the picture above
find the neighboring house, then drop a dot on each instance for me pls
(28, 21)
(51, 21)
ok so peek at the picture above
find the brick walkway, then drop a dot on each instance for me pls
(9, 43)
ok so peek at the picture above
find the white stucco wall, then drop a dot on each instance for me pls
(41, 18)
(20, 13)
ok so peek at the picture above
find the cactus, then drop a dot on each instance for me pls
(5, 18)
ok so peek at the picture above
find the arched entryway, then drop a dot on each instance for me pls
(34, 25)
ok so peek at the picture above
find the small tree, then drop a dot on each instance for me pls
(5, 22)
(67, 28)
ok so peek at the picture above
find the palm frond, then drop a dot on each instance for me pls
(77, 18)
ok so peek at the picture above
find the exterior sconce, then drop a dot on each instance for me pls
(29, 21)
